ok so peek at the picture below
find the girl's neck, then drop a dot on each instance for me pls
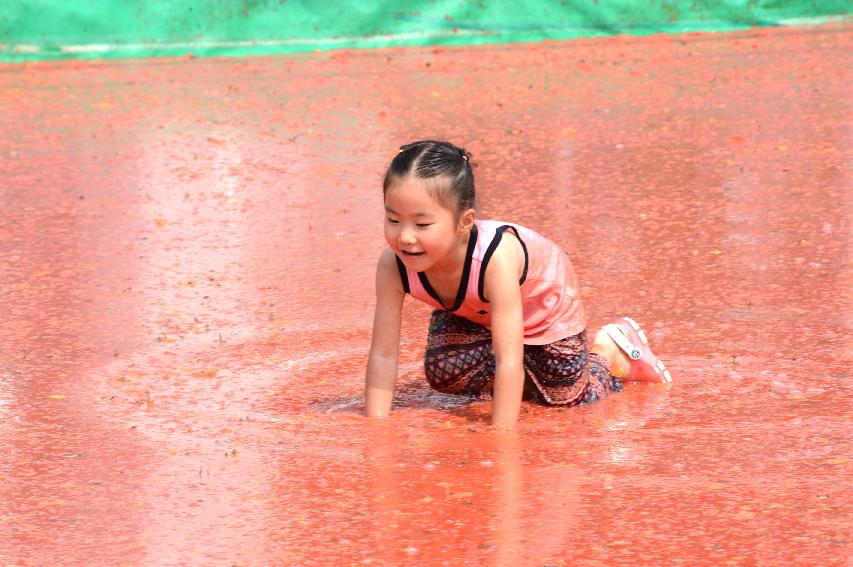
(451, 266)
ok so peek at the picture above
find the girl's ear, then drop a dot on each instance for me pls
(466, 221)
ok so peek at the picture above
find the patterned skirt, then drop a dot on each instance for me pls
(459, 360)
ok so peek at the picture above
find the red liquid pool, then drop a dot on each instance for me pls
(187, 251)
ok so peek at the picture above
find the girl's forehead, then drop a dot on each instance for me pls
(409, 189)
(407, 201)
(414, 197)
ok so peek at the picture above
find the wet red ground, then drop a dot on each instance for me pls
(186, 262)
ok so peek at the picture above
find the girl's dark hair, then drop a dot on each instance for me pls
(429, 159)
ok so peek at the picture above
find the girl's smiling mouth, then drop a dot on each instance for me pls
(407, 253)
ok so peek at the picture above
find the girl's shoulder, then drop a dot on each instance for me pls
(490, 234)
(492, 226)
(389, 275)
(490, 230)
(387, 258)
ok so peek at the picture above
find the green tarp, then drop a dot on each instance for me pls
(44, 29)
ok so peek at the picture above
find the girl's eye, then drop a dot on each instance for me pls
(392, 221)
(424, 225)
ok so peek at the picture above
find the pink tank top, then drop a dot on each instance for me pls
(549, 287)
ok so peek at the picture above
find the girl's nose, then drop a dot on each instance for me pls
(407, 237)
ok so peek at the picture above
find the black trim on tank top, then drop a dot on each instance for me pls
(493, 245)
(463, 283)
(404, 278)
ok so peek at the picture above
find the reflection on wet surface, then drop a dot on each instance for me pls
(186, 262)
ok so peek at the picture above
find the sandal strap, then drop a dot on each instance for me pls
(621, 340)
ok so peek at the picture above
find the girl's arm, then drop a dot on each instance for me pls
(382, 365)
(504, 294)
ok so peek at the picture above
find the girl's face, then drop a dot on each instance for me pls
(421, 231)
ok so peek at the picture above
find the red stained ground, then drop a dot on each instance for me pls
(186, 260)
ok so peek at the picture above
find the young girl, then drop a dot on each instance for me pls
(508, 321)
